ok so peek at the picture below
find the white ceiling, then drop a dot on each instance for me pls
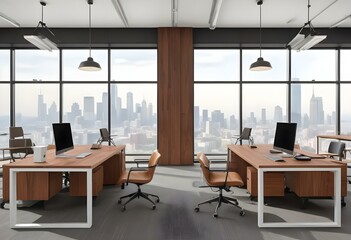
(191, 13)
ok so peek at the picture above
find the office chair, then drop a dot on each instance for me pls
(105, 137)
(23, 145)
(245, 135)
(221, 179)
(139, 176)
(335, 149)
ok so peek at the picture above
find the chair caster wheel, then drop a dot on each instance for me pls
(158, 200)
(153, 207)
(197, 209)
(119, 201)
(242, 213)
(123, 208)
(215, 215)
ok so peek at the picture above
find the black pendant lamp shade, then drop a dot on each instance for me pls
(260, 64)
(89, 64)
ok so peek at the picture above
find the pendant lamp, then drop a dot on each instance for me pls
(260, 64)
(89, 64)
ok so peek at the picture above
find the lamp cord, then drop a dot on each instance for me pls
(42, 13)
(260, 31)
(89, 30)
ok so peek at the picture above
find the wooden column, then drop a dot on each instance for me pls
(175, 96)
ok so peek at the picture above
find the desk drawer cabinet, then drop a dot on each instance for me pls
(273, 183)
(78, 182)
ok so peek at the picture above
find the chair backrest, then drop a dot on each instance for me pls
(336, 148)
(104, 134)
(21, 142)
(204, 164)
(245, 135)
(153, 161)
(16, 132)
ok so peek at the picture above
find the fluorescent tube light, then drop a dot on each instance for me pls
(340, 22)
(216, 7)
(9, 20)
(174, 13)
(41, 42)
(120, 12)
(300, 42)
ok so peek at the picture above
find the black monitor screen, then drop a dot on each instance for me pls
(63, 137)
(284, 139)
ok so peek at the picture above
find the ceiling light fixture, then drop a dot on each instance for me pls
(174, 13)
(39, 38)
(120, 12)
(216, 7)
(340, 22)
(9, 20)
(302, 41)
(260, 64)
(89, 64)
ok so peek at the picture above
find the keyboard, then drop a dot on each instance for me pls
(83, 154)
(275, 158)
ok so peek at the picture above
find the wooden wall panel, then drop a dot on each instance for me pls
(175, 96)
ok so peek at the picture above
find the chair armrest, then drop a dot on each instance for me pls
(140, 161)
(218, 161)
(136, 169)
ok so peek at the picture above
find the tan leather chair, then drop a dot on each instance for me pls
(139, 176)
(222, 179)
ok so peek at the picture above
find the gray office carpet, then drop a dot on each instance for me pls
(174, 217)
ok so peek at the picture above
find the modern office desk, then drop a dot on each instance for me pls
(26, 180)
(327, 179)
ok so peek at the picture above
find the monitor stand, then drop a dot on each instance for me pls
(62, 155)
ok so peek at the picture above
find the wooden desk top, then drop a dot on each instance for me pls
(337, 137)
(95, 159)
(257, 158)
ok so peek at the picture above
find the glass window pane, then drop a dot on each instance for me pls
(4, 65)
(134, 65)
(345, 110)
(4, 114)
(134, 116)
(261, 111)
(319, 65)
(36, 65)
(216, 116)
(71, 60)
(85, 106)
(278, 60)
(313, 108)
(37, 109)
(216, 65)
(345, 69)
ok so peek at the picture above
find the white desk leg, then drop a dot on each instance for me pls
(260, 196)
(89, 198)
(337, 197)
(13, 198)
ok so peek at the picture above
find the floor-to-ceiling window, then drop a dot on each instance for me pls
(313, 95)
(134, 99)
(36, 92)
(44, 83)
(4, 95)
(216, 99)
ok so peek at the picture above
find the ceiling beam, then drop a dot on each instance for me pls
(120, 12)
(174, 13)
(216, 7)
(9, 20)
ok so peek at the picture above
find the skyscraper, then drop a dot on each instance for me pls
(278, 114)
(316, 110)
(263, 116)
(41, 108)
(196, 117)
(296, 102)
(104, 106)
(130, 106)
(88, 112)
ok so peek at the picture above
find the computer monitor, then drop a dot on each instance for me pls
(63, 137)
(284, 139)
